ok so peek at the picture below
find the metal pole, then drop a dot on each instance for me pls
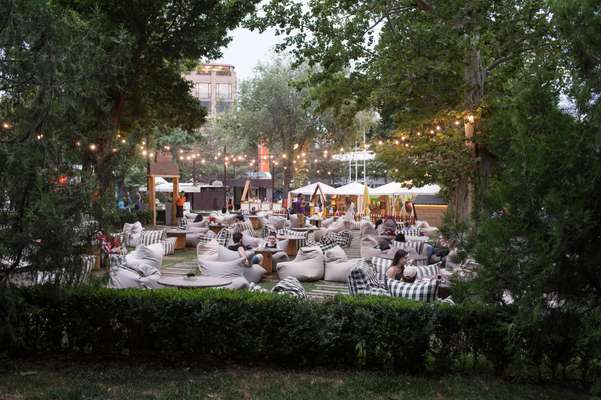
(224, 178)
(364, 160)
(194, 171)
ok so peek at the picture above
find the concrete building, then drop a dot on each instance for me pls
(215, 85)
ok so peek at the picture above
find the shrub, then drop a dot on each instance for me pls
(374, 332)
(115, 218)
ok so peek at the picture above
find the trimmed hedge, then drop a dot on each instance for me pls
(375, 332)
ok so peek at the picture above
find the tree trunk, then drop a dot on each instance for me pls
(462, 198)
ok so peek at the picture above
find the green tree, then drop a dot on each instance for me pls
(143, 88)
(275, 108)
(420, 64)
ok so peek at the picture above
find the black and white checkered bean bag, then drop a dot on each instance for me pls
(381, 265)
(363, 280)
(342, 239)
(424, 290)
(290, 286)
(224, 237)
(245, 226)
(410, 247)
(169, 246)
(153, 236)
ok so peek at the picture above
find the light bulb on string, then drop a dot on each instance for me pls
(438, 128)
(144, 153)
(114, 150)
(457, 123)
(181, 158)
(93, 147)
(123, 141)
(150, 155)
(6, 125)
(431, 132)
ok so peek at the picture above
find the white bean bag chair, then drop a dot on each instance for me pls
(337, 226)
(294, 221)
(139, 276)
(338, 266)
(249, 240)
(208, 251)
(308, 265)
(132, 234)
(229, 219)
(319, 233)
(151, 255)
(277, 222)
(339, 270)
(367, 228)
(190, 215)
(369, 247)
(327, 222)
(232, 269)
(202, 224)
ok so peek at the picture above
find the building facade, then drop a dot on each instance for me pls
(215, 85)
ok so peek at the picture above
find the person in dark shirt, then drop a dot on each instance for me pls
(396, 269)
(241, 249)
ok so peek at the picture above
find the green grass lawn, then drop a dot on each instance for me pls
(57, 380)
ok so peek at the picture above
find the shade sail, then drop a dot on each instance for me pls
(352, 189)
(310, 189)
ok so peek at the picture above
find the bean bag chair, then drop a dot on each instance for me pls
(424, 290)
(249, 240)
(202, 224)
(367, 228)
(294, 221)
(363, 280)
(327, 222)
(319, 233)
(232, 269)
(290, 286)
(151, 255)
(369, 247)
(277, 222)
(337, 226)
(338, 266)
(140, 276)
(208, 251)
(132, 234)
(308, 265)
(339, 270)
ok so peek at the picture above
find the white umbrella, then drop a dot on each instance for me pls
(397, 189)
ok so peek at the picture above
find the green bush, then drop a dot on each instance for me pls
(114, 219)
(373, 332)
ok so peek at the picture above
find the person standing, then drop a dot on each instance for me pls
(138, 206)
(180, 200)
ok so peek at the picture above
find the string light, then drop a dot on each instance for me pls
(78, 143)
(167, 148)
(144, 153)
(6, 125)
(438, 127)
(457, 123)
(114, 150)
(93, 147)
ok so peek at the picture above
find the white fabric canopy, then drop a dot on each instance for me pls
(167, 187)
(397, 189)
(310, 189)
(352, 189)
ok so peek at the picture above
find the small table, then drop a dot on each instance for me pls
(216, 228)
(267, 254)
(195, 282)
(304, 229)
(180, 235)
(293, 244)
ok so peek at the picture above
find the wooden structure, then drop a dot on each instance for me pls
(164, 167)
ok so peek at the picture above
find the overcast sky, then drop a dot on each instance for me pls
(246, 50)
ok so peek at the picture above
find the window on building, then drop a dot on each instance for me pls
(207, 105)
(224, 73)
(202, 90)
(223, 106)
(224, 90)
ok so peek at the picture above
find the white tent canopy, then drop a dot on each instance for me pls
(310, 189)
(352, 189)
(167, 187)
(397, 189)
